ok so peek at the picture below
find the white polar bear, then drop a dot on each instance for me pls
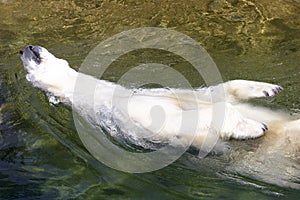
(241, 121)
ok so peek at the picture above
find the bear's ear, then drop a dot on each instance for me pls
(29, 77)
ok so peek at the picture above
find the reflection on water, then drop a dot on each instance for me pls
(40, 153)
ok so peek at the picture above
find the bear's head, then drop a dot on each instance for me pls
(46, 71)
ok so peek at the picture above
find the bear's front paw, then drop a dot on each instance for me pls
(242, 89)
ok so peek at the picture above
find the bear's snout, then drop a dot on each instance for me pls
(31, 53)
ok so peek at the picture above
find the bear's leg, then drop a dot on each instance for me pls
(243, 89)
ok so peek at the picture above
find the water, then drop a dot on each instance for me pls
(41, 155)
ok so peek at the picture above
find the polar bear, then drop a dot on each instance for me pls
(240, 120)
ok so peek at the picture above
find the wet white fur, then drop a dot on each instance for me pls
(161, 111)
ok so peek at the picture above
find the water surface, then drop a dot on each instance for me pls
(41, 155)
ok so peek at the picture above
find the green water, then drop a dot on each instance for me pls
(41, 155)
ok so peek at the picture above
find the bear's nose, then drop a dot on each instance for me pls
(21, 52)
